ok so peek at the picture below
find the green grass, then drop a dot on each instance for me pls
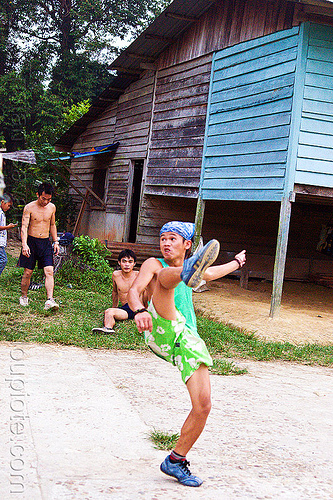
(232, 343)
(223, 367)
(163, 440)
(81, 309)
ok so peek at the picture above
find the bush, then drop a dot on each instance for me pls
(91, 250)
(87, 267)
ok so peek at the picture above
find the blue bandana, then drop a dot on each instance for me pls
(184, 229)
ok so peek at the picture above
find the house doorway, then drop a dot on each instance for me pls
(98, 186)
(135, 199)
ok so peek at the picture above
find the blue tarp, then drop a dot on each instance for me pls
(97, 150)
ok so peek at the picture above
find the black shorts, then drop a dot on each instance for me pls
(41, 251)
(129, 311)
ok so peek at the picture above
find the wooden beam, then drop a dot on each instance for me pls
(199, 216)
(280, 256)
(140, 57)
(150, 66)
(321, 192)
(113, 89)
(81, 182)
(173, 15)
(151, 36)
(68, 181)
(107, 99)
(79, 218)
(121, 69)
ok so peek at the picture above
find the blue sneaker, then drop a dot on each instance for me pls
(195, 266)
(180, 471)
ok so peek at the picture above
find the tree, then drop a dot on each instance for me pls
(87, 26)
(9, 20)
(72, 41)
(12, 110)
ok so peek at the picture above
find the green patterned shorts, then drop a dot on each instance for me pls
(176, 343)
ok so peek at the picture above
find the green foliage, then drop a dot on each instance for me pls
(71, 115)
(163, 440)
(75, 274)
(87, 268)
(54, 55)
(22, 181)
(90, 250)
(75, 78)
(223, 367)
(13, 101)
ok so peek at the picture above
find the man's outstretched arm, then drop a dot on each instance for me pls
(216, 272)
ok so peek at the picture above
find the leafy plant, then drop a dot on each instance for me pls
(87, 268)
(163, 440)
(91, 250)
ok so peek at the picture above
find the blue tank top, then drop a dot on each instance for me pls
(184, 302)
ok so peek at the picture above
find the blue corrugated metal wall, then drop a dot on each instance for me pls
(249, 116)
(315, 152)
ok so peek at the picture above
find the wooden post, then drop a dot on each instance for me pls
(199, 221)
(79, 217)
(280, 256)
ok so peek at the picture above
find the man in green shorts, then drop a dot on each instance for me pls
(170, 330)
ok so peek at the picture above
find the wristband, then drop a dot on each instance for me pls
(140, 311)
(238, 262)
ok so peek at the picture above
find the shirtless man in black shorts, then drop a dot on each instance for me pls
(38, 223)
(122, 280)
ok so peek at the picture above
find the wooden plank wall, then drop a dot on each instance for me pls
(247, 139)
(127, 121)
(132, 131)
(315, 153)
(98, 133)
(227, 23)
(156, 210)
(181, 99)
(180, 108)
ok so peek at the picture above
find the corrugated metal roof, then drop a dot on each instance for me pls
(142, 53)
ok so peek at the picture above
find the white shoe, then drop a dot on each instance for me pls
(103, 329)
(51, 304)
(24, 301)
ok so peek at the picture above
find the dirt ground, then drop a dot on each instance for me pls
(306, 314)
(88, 413)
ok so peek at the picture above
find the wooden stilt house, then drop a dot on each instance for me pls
(223, 112)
